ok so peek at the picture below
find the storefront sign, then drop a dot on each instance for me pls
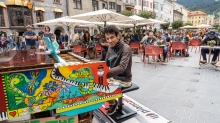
(48, 5)
(30, 4)
(73, 119)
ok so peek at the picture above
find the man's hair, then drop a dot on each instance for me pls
(159, 32)
(111, 29)
(146, 33)
(151, 33)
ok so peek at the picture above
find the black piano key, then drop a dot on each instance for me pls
(5, 115)
(103, 87)
(108, 88)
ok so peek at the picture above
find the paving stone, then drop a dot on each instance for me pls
(198, 118)
(211, 120)
(183, 114)
(174, 118)
(187, 104)
(206, 114)
(191, 90)
(185, 120)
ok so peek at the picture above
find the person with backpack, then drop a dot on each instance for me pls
(30, 38)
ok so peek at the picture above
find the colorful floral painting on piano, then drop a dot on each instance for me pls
(63, 87)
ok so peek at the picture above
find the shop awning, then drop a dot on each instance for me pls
(17, 2)
(39, 8)
(2, 4)
(57, 10)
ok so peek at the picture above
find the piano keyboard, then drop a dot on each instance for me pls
(3, 116)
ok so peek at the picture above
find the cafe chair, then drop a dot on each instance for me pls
(195, 43)
(98, 49)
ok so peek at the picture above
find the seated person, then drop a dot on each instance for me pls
(135, 38)
(163, 42)
(149, 41)
(119, 59)
(167, 37)
(104, 44)
(210, 37)
(177, 38)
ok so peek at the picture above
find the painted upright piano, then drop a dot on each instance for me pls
(33, 82)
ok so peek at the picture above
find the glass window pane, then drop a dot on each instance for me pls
(2, 20)
(39, 17)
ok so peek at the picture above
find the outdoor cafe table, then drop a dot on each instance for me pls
(209, 57)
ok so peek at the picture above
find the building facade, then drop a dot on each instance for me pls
(15, 15)
(147, 5)
(167, 12)
(75, 7)
(197, 17)
(211, 20)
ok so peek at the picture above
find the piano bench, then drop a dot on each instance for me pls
(120, 103)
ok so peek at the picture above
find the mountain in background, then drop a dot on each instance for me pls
(208, 6)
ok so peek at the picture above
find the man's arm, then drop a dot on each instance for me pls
(143, 40)
(34, 37)
(122, 66)
(204, 41)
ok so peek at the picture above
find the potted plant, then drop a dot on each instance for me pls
(212, 43)
(158, 42)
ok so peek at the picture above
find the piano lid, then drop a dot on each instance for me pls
(19, 60)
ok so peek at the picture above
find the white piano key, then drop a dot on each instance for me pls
(3, 116)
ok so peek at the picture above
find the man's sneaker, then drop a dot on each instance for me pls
(203, 62)
(213, 62)
(112, 108)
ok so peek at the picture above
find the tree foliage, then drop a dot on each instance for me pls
(147, 14)
(188, 23)
(216, 25)
(127, 13)
(203, 5)
(177, 24)
(165, 26)
(218, 28)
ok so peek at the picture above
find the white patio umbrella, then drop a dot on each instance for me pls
(101, 16)
(188, 27)
(135, 20)
(203, 26)
(154, 21)
(64, 21)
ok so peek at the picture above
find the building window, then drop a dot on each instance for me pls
(139, 2)
(147, 4)
(56, 1)
(58, 14)
(104, 6)
(17, 18)
(95, 5)
(111, 5)
(150, 4)
(77, 4)
(144, 3)
(2, 19)
(161, 8)
(135, 2)
(118, 8)
(39, 17)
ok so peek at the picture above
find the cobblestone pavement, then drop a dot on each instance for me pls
(178, 90)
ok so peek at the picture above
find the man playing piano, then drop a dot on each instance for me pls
(119, 59)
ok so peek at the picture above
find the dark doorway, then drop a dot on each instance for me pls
(57, 32)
